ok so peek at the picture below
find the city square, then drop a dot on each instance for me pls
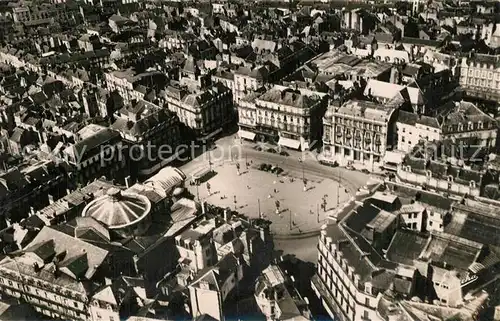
(278, 198)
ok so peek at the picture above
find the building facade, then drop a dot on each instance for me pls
(480, 76)
(154, 129)
(289, 117)
(358, 131)
(206, 112)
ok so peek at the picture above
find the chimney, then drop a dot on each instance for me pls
(226, 215)
(203, 207)
(127, 181)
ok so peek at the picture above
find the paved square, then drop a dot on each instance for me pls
(252, 185)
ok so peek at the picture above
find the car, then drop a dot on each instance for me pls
(334, 164)
(350, 167)
(272, 151)
(258, 148)
(364, 170)
(284, 153)
(263, 167)
(279, 170)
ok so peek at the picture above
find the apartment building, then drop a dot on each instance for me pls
(206, 111)
(51, 274)
(465, 121)
(247, 80)
(95, 156)
(480, 76)
(289, 117)
(145, 124)
(412, 128)
(358, 131)
(129, 84)
(370, 261)
(277, 298)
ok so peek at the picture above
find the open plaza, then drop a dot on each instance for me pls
(278, 198)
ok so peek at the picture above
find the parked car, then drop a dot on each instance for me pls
(272, 151)
(279, 170)
(263, 167)
(284, 153)
(364, 170)
(350, 167)
(334, 164)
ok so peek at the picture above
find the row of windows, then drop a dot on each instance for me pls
(357, 124)
(483, 83)
(483, 74)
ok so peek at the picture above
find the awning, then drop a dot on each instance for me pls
(395, 157)
(201, 173)
(287, 142)
(246, 134)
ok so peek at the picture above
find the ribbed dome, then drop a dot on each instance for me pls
(118, 209)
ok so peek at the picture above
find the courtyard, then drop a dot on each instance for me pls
(279, 198)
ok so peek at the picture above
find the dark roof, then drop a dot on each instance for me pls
(407, 117)
(406, 246)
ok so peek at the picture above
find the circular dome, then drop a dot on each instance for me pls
(118, 209)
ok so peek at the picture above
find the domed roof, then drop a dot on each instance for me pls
(118, 209)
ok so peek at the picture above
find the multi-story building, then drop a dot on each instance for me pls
(100, 154)
(277, 297)
(151, 127)
(290, 117)
(128, 83)
(464, 121)
(411, 128)
(358, 131)
(247, 80)
(52, 274)
(30, 188)
(370, 262)
(480, 76)
(206, 112)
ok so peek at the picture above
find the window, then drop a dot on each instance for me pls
(367, 302)
(75, 304)
(430, 223)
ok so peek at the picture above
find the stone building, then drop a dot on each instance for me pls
(289, 117)
(358, 131)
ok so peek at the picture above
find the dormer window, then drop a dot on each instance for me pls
(408, 168)
(472, 184)
(450, 178)
(429, 174)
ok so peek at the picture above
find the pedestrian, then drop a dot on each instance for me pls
(248, 187)
(269, 196)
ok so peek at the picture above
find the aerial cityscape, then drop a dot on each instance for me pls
(249, 160)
